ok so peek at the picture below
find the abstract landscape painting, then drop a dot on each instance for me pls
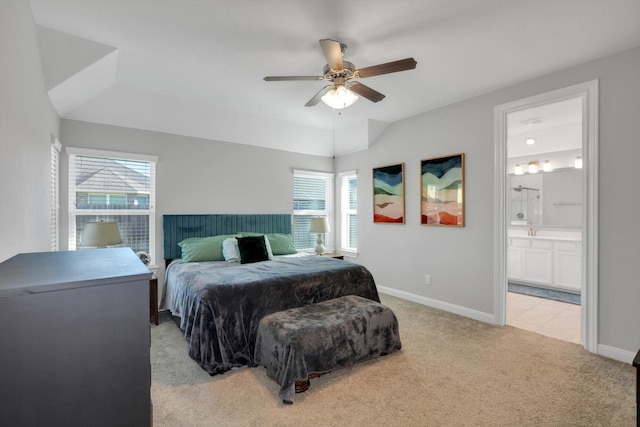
(388, 194)
(442, 191)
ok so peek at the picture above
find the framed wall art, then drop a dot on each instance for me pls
(388, 194)
(442, 191)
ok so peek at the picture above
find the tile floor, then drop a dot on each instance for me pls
(547, 317)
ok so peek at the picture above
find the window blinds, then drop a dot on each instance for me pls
(54, 209)
(312, 197)
(111, 187)
(349, 211)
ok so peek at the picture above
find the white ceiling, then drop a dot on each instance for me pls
(554, 127)
(195, 67)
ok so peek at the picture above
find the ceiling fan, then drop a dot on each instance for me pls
(342, 91)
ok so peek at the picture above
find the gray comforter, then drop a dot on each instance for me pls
(221, 304)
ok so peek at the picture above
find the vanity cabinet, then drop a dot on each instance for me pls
(568, 265)
(74, 333)
(547, 262)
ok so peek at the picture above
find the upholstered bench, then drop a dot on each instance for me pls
(301, 343)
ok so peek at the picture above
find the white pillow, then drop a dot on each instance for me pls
(230, 250)
(268, 246)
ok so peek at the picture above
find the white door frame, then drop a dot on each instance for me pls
(588, 91)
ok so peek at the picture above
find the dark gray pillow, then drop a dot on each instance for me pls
(252, 249)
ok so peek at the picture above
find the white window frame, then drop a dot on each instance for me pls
(54, 215)
(328, 212)
(151, 212)
(346, 211)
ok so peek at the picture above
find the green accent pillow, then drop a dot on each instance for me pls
(281, 244)
(252, 249)
(198, 249)
(250, 234)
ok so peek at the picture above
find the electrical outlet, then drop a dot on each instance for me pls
(427, 279)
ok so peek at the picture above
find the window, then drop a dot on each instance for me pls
(312, 196)
(113, 187)
(349, 211)
(54, 182)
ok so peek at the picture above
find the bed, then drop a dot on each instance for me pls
(218, 304)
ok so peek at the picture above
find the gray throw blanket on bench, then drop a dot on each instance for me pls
(321, 337)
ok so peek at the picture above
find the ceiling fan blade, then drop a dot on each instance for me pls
(389, 67)
(366, 92)
(287, 78)
(333, 52)
(316, 98)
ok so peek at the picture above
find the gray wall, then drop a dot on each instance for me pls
(27, 121)
(460, 260)
(195, 175)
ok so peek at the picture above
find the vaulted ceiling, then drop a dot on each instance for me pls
(196, 67)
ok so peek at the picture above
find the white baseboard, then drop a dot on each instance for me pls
(616, 353)
(451, 308)
(603, 350)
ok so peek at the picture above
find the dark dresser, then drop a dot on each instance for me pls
(74, 339)
(636, 364)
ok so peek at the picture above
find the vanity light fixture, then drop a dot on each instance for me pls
(578, 162)
(518, 170)
(546, 166)
(530, 141)
(533, 167)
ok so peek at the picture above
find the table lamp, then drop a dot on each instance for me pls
(100, 234)
(319, 225)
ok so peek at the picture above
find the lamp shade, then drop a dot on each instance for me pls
(319, 225)
(101, 234)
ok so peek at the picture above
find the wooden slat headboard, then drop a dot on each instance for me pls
(179, 227)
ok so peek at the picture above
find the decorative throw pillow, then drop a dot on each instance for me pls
(252, 249)
(281, 244)
(268, 246)
(254, 234)
(230, 250)
(198, 249)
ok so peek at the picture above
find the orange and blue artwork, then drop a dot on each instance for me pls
(442, 191)
(388, 194)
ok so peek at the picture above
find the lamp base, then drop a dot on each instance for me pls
(319, 246)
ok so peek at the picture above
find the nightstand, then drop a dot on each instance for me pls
(153, 298)
(334, 255)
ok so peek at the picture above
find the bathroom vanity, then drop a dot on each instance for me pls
(549, 260)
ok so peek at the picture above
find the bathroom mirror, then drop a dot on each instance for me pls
(546, 199)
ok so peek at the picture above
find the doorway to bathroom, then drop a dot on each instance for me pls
(544, 219)
(546, 214)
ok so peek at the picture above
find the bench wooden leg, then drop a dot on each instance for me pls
(302, 386)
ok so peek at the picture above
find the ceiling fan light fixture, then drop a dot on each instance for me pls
(339, 97)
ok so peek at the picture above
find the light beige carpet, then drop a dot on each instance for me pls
(451, 371)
